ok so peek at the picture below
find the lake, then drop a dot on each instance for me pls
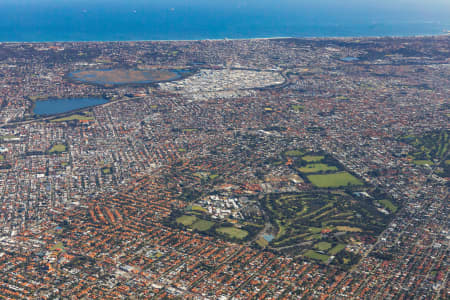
(124, 76)
(349, 59)
(58, 106)
(268, 237)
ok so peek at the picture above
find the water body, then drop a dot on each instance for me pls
(58, 106)
(349, 59)
(117, 20)
(268, 237)
(121, 77)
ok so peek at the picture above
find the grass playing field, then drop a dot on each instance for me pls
(315, 168)
(77, 117)
(58, 148)
(322, 246)
(389, 205)
(202, 225)
(233, 232)
(336, 249)
(186, 220)
(313, 158)
(339, 179)
(317, 256)
(294, 153)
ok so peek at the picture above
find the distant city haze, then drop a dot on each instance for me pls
(101, 20)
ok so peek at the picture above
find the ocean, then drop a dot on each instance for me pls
(114, 20)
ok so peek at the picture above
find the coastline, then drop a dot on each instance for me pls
(447, 33)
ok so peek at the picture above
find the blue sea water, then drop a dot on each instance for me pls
(58, 106)
(124, 20)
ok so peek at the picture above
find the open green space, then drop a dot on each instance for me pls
(203, 175)
(388, 205)
(334, 180)
(2, 158)
(202, 225)
(59, 246)
(315, 229)
(58, 148)
(198, 208)
(262, 242)
(195, 222)
(322, 246)
(123, 76)
(312, 218)
(336, 249)
(423, 162)
(297, 107)
(213, 176)
(341, 98)
(294, 153)
(430, 149)
(315, 168)
(313, 237)
(73, 117)
(317, 256)
(186, 220)
(321, 222)
(348, 229)
(313, 158)
(314, 212)
(106, 170)
(233, 232)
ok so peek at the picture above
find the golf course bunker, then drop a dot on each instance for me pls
(111, 77)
